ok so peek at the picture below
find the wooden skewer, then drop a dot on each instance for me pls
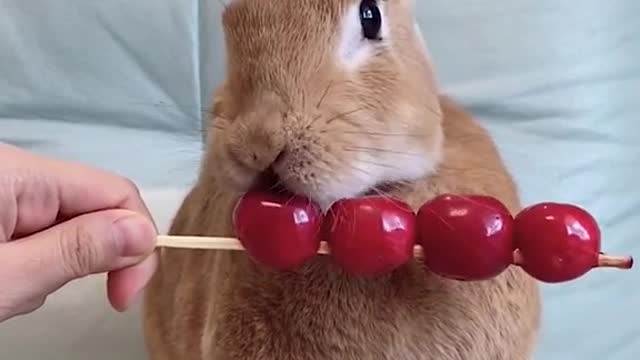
(199, 242)
(604, 261)
(232, 244)
(619, 262)
(226, 243)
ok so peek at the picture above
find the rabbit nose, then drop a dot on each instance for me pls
(257, 153)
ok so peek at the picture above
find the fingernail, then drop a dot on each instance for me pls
(134, 235)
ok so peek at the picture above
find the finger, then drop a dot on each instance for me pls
(125, 287)
(10, 309)
(46, 191)
(93, 243)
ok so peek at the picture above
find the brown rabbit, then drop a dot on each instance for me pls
(336, 97)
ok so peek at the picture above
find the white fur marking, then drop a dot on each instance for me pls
(353, 49)
(370, 168)
(385, 31)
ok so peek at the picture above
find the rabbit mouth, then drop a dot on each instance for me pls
(383, 189)
(269, 181)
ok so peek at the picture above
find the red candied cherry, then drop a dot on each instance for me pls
(278, 230)
(560, 242)
(370, 236)
(466, 237)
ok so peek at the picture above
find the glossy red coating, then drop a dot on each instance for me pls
(558, 242)
(280, 231)
(466, 237)
(370, 236)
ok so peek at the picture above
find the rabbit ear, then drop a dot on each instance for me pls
(424, 47)
(418, 30)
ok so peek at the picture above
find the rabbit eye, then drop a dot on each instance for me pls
(371, 19)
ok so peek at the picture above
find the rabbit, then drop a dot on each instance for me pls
(338, 99)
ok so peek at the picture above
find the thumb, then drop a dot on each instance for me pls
(93, 243)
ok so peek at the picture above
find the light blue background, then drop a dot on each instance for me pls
(123, 85)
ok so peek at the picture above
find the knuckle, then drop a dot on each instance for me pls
(18, 307)
(7, 309)
(79, 255)
(32, 305)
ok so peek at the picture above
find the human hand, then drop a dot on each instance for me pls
(61, 221)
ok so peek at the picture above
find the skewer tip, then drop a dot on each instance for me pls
(619, 262)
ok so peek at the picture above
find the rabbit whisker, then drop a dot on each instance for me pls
(372, 150)
(372, 133)
(341, 115)
(326, 91)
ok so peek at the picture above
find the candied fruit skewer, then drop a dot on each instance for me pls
(227, 243)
